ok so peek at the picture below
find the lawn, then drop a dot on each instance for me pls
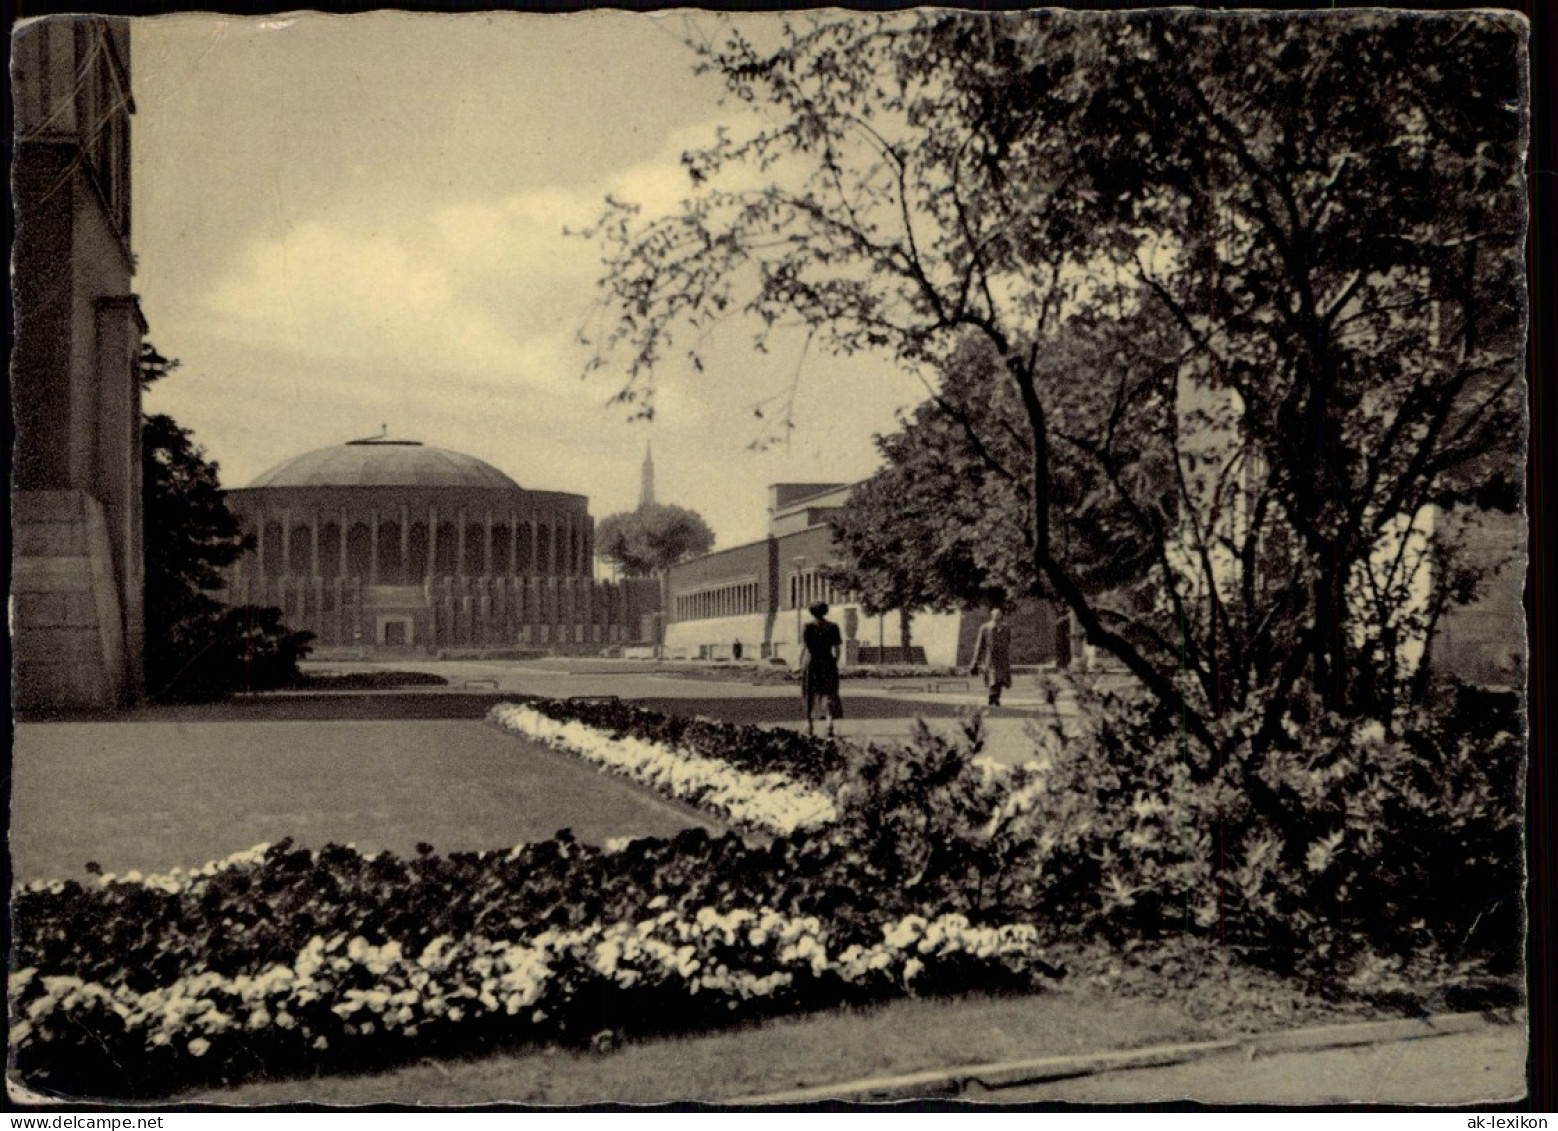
(155, 795)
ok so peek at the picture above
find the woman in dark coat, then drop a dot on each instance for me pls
(821, 644)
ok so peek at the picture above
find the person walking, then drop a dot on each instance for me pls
(821, 643)
(993, 656)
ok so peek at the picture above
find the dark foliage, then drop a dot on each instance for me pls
(197, 647)
(647, 541)
(1252, 279)
(747, 748)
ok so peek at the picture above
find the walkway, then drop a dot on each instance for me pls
(1458, 1069)
(882, 711)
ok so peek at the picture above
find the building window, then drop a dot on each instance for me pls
(502, 543)
(359, 550)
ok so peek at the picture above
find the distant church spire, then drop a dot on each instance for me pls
(646, 490)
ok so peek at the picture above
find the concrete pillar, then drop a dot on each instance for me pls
(405, 544)
(432, 542)
(313, 545)
(259, 547)
(345, 530)
(286, 541)
(117, 479)
(513, 544)
(486, 546)
(373, 546)
(459, 544)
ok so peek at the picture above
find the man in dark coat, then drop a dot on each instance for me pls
(993, 656)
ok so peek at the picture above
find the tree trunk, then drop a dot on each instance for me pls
(904, 639)
(1158, 683)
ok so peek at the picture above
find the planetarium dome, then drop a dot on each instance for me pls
(385, 463)
(393, 543)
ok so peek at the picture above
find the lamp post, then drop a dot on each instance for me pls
(799, 563)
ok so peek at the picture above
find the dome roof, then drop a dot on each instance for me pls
(385, 463)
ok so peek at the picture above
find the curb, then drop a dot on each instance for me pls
(1005, 1074)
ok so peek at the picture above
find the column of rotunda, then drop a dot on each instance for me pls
(314, 573)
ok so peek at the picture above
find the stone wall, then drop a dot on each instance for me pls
(68, 627)
(1485, 642)
(76, 399)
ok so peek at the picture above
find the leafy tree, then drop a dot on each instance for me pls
(1248, 279)
(650, 540)
(944, 524)
(197, 647)
(939, 527)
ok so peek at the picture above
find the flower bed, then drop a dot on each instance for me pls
(752, 749)
(241, 967)
(937, 870)
(768, 800)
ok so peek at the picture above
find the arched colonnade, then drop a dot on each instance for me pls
(390, 545)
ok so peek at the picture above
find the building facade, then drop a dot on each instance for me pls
(393, 545)
(755, 597)
(77, 559)
(1480, 642)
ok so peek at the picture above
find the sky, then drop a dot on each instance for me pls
(344, 223)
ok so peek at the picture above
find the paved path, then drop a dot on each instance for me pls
(152, 795)
(1459, 1069)
(647, 680)
(882, 711)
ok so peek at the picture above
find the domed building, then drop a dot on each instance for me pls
(399, 545)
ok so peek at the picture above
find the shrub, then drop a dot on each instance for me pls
(222, 650)
(1378, 865)
(1393, 862)
(1374, 866)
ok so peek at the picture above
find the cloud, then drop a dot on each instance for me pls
(453, 317)
(477, 286)
(330, 293)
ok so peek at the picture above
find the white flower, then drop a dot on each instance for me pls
(773, 801)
